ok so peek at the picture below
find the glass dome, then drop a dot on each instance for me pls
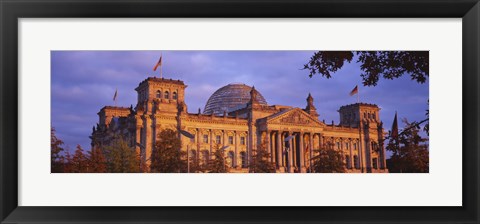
(230, 97)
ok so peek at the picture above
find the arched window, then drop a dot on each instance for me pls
(159, 94)
(167, 95)
(193, 155)
(205, 157)
(356, 162)
(243, 157)
(347, 162)
(174, 95)
(231, 159)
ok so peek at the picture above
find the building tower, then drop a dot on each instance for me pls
(310, 109)
(157, 97)
(366, 117)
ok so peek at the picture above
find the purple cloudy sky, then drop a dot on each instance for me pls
(85, 81)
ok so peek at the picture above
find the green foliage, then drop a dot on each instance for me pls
(261, 161)
(167, 156)
(219, 163)
(121, 158)
(195, 165)
(374, 64)
(328, 161)
(56, 159)
(410, 153)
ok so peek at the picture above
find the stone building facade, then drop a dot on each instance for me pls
(239, 117)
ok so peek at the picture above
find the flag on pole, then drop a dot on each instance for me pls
(115, 95)
(159, 63)
(354, 91)
(395, 128)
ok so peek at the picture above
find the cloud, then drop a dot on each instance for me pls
(85, 81)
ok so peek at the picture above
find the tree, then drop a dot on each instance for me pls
(56, 159)
(374, 64)
(167, 156)
(328, 161)
(261, 161)
(79, 161)
(410, 154)
(67, 162)
(195, 165)
(121, 158)
(219, 163)
(96, 161)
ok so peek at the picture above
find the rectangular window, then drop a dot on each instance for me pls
(354, 146)
(374, 162)
(218, 139)
(205, 138)
(338, 145)
(347, 146)
(230, 140)
(242, 140)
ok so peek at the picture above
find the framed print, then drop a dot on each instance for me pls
(249, 112)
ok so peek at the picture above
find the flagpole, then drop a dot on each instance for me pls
(358, 95)
(161, 67)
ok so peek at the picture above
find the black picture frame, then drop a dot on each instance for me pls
(11, 11)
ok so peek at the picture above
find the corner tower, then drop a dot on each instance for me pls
(350, 115)
(310, 109)
(160, 95)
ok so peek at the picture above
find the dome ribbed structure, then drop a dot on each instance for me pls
(230, 97)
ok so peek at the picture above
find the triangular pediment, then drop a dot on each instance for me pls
(294, 116)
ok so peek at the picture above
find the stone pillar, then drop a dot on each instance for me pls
(148, 140)
(301, 165)
(272, 147)
(312, 135)
(224, 140)
(139, 140)
(211, 144)
(351, 154)
(290, 155)
(235, 139)
(279, 150)
(267, 142)
(293, 147)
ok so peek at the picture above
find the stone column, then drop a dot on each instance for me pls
(351, 154)
(290, 155)
(279, 150)
(301, 165)
(272, 147)
(224, 141)
(267, 142)
(139, 140)
(211, 144)
(235, 139)
(312, 135)
(148, 140)
(293, 147)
